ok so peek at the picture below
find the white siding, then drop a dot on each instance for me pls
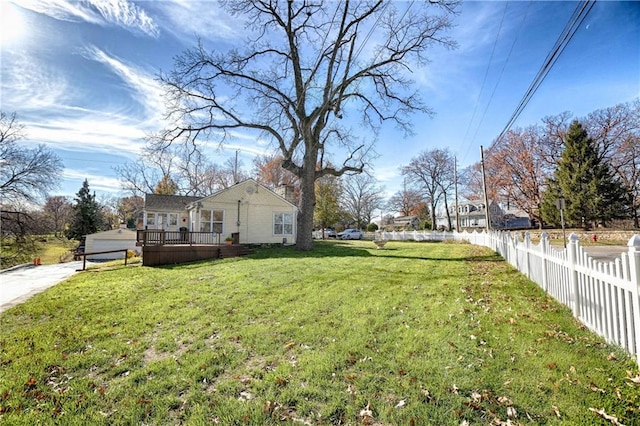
(249, 209)
(116, 239)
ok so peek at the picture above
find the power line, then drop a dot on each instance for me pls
(486, 73)
(515, 40)
(579, 14)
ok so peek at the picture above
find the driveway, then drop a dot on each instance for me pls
(606, 253)
(19, 284)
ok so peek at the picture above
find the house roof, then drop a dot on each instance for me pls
(168, 202)
(250, 182)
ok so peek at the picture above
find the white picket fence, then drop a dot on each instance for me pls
(604, 296)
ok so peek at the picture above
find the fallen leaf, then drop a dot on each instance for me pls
(401, 403)
(595, 388)
(367, 414)
(351, 390)
(635, 380)
(476, 397)
(612, 419)
(612, 357)
(555, 411)
(245, 396)
(511, 412)
(503, 400)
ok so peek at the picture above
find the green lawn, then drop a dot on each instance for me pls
(418, 333)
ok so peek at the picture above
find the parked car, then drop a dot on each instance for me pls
(350, 234)
(328, 233)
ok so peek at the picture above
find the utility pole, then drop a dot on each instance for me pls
(455, 190)
(487, 215)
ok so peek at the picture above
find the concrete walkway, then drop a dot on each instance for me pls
(20, 283)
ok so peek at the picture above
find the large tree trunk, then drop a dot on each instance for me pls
(304, 238)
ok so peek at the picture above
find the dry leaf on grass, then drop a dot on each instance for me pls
(635, 380)
(555, 411)
(601, 413)
(367, 414)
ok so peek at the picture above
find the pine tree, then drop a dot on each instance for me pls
(592, 195)
(86, 214)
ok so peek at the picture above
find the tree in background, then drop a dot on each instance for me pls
(627, 167)
(26, 174)
(405, 202)
(166, 186)
(57, 211)
(270, 173)
(86, 217)
(327, 209)
(361, 196)
(517, 171)
(616, 131)
(591, 194)
(127, 209)
(303, 67)
(431, 173)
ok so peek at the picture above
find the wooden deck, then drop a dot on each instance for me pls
(171, 248)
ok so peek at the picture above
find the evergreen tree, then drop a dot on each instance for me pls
(592, 195)
(86, 214)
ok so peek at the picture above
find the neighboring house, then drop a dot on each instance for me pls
(472, 214)
(406, 222)
(115, 239)
(247, 211)
(513, 219)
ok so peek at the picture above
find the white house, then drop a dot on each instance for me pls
(248, 212)
(472, 214)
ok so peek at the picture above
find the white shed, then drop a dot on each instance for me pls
(115, 239)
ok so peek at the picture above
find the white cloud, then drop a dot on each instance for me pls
(92, 132)
(121, 13)
(97, 182)
(188, 19)
(145, 89)
(29, 84)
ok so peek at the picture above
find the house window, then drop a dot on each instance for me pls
(161, 219)
(151, 219)
(173, 219)
(282, 224)
(211, 221)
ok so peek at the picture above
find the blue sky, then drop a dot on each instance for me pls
(81, 76)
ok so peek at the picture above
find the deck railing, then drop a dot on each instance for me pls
(159, 237)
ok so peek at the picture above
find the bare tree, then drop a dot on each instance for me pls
(305, 66)
(190, 170)
(57, 212)
(616, 130)
(405, 202)
(26, 174)
(517, 170)
(432, 174)
(360, 197)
